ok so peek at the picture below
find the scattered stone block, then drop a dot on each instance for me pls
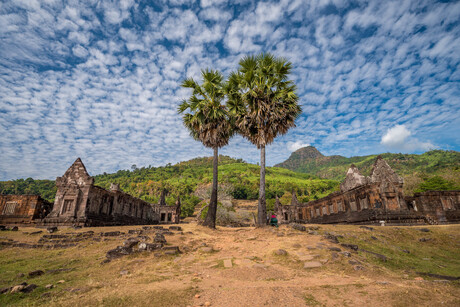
(61, 281)
(159, 238)
(425, 239)
(334, 249)
(177, 228)
(353, 262)
(358, 268)
(346, 254)
(49, 286)
(5, 290)
(110, 234)
(52, 229)
(280, 252)
(124, 272)
(350, 246)
(35, 232)
(171, 250)
(299, 227)
(130, 243)
(135, 231)
(424, 229)
(18, 288)
(14, 228)
(36, 273)
(2, 228)
(118, 252)
(312, 264)
(367, 228)
(149, 246)
(143, 238)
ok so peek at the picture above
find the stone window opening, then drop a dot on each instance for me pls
(163, 217)
(285, 216)
(10, 207)
(169, 217)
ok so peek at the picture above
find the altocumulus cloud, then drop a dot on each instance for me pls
(100, 79)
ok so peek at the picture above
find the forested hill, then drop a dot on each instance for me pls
(310, 160)
(414, 168)
(239, 179)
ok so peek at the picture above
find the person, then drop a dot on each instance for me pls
(273, 221)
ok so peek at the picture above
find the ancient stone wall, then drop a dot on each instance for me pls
(79, 202)
(22, 209)
(368, 200)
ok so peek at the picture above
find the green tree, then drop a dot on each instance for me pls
(208, 122)
(436, 183)
(265, 105)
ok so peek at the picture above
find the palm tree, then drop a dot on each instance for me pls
(208, 122)
(264, 103)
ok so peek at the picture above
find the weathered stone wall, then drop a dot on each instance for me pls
(368, 200)
(22, 209)
(79, 202)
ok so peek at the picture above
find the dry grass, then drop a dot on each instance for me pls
(258, 276)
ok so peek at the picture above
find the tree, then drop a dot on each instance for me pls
(264, 103)
(208, 122)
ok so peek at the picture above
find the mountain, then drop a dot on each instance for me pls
(414, 168)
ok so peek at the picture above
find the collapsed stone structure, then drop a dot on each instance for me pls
(369, 200)
(79, 202)
(23, 209)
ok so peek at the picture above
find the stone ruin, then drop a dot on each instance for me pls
(79, 202)
(369, 200)
(23, 209)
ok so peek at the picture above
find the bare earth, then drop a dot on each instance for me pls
(223, 267)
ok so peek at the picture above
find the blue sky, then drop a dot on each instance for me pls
(99, 79)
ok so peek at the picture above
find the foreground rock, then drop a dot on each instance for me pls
(312, 264)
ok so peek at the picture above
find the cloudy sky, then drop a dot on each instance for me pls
(99, 79)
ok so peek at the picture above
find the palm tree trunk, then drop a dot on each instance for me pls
(262, 209)
(210, 219)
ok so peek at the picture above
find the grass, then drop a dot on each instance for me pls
(171, 281)
(439, 255)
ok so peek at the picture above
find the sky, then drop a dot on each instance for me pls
(100, 79)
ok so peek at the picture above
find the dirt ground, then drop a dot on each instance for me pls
(222, 267)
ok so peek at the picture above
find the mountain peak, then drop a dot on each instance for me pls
(300, 156)
(309, 152)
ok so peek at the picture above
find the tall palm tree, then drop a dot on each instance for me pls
(265, 105)
(208, 122)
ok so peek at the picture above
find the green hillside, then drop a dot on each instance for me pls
(414, 168)
(241, 180)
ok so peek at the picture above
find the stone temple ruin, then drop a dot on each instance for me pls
(23, 209)
(79, 202)
(369, 200)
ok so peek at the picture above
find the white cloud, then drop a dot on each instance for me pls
(293, 146)
(399, 138)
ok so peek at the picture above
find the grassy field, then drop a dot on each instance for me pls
(259, 274)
